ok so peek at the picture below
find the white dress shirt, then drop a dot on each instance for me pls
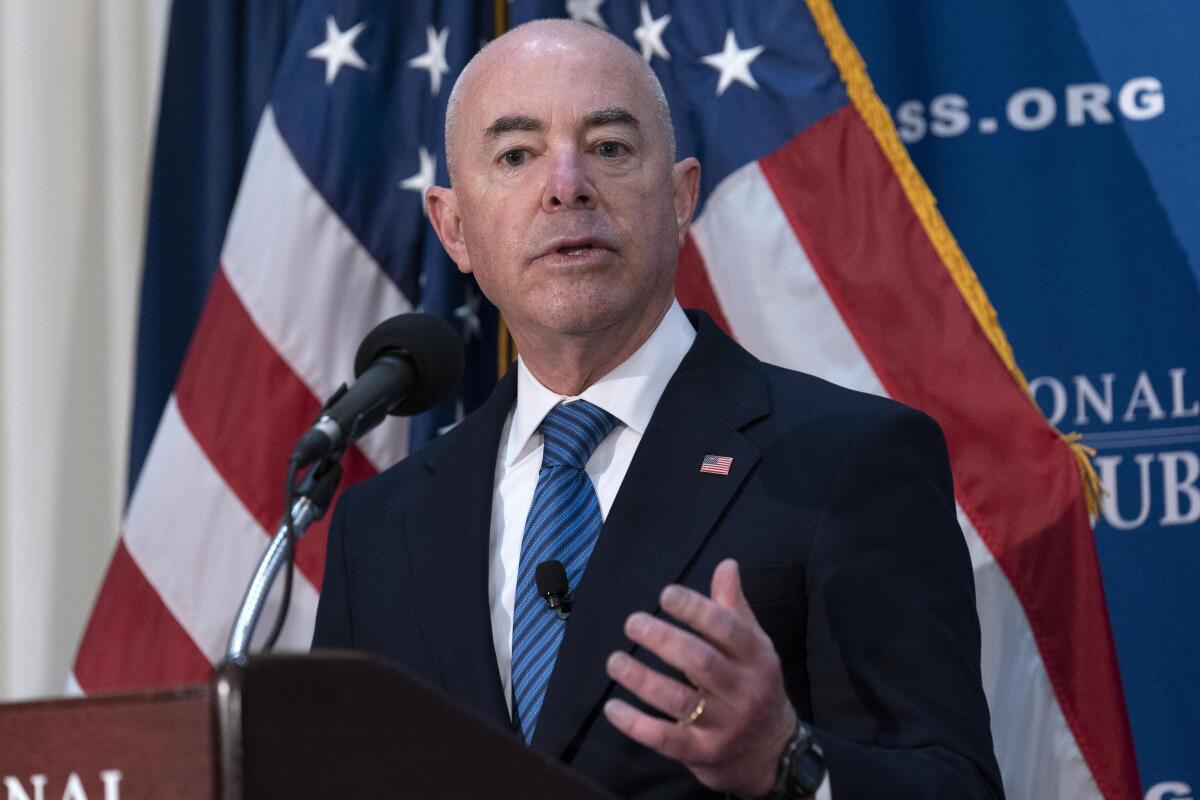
(630, 393)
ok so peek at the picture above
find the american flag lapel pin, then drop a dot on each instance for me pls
(716, 465)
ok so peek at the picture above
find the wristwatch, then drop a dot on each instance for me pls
(801, 767)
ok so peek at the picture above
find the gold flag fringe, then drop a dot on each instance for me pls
(1093, 489)
(862, 93)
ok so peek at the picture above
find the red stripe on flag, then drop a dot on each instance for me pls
(246, 408)
(692, 286)
(132, 640)
(1015, 479)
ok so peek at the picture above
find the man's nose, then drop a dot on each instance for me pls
(567, 186)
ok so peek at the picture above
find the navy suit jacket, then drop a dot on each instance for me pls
(839, 508)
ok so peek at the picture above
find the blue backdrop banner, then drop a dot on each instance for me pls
(1059, 137)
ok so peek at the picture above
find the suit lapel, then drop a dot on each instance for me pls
(662, 515)
(448, 523)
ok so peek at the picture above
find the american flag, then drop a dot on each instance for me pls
(816, 245)
(716, 465)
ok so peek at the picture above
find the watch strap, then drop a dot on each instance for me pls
(801, 767)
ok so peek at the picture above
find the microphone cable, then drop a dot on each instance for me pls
(289, 499)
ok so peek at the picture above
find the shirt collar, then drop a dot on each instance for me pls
(630, 392)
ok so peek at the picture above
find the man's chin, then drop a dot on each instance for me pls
(598, 319)
(583, 323)
(567, 321)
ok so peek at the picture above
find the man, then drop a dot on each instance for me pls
(771, 595)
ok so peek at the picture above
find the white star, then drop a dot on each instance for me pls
(434, 57)
(424, 177)
(468, 315)
(587, 11)
(734, 63)
(338, 49)
(649, 34)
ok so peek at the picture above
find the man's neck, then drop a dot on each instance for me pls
(567, 365)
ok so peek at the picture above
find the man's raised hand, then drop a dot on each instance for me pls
(733, 716)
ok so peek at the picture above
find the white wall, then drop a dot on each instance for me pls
(78, 96)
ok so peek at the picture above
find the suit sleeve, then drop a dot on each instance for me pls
(333, 628)
(893, 634)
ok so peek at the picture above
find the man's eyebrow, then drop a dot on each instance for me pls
(512, 122)
(613, 115)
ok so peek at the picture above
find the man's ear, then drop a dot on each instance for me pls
(685, 180)
(442, 205)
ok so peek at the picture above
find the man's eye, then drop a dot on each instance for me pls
(514, 158)
(610, 149)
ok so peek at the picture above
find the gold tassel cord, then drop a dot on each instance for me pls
(1093, 489)
(862, 94)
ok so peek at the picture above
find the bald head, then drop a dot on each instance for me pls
(549, 39)
(565, 202)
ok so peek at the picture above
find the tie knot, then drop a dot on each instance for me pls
(572, 431)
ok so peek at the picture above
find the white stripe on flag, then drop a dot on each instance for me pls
(198, 545)
(1037, 753)
(776, 305)
(306, 281)
(778, 309)
(72, 689)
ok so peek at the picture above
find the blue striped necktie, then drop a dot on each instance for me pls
(564, 521)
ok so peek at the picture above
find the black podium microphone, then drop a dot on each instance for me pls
(405, 365)
(551, 580)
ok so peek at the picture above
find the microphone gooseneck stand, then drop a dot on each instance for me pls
(406, 364)
(313, 496)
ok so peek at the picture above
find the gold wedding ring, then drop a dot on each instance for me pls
(695, 715)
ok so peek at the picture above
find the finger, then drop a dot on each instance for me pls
(703, 664)
(668, 738)
(675, 699)
(732, 633)
(727, 587)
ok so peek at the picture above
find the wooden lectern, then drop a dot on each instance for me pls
(299, 726)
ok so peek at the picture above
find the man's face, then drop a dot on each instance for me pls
(565, 204)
